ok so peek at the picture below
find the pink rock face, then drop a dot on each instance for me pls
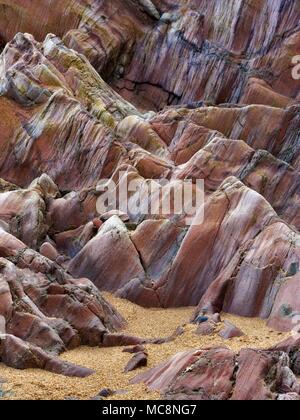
(125, 258)
(207, 328)
(230, 331)
(219, 374)
(143, 90)
(138, 360)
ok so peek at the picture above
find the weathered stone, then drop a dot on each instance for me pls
(165, 90)
(136, 349)
(206, 328)
(48, 251)
(219, 374)
(139, 360)
(230, 331)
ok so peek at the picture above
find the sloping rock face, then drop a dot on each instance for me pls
(146, 90)
(231, 52)
(220, 374)
(43, 310)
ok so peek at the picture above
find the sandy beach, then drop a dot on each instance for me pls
(109, 363)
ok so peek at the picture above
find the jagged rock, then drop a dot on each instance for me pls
(139, 360)
(45, 310)
(291, 346)
(193, 375)
(219, 374)
(18, 354)
(136, 349)
(24, 212)
(127, 265)
(72, 242)
(289, 397)
(230, 331)
(106, 393)
(121, 340)
(286, 310)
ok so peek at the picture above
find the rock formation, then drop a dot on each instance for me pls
(142, 90)
(220, 374)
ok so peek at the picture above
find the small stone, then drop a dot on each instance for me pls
(206, 328)
(120, 340)
(105, 393)
(48, 251)
(230, 331)
(97, 223)
(138, 360)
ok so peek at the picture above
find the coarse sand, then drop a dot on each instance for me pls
(109, 363)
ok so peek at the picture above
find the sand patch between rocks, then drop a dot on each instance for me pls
(109, 363)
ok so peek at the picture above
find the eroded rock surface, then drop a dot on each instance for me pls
(141, 90)
(220, 374)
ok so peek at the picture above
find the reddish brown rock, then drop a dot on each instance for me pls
(48, 251)
(230, 331)
(139, 360)
(136, 349)
(20, 355)
(207, 328)
(177, 380)
(286, 310)
(121, 340)
(24, 211)
(122, 216)
(219, 374)
(96, 260)
(44, 310)
(72, 242)
(97, 223)
(191, 33)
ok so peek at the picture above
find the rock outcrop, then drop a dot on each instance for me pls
(44, 311)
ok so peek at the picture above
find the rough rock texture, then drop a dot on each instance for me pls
(220, 374)
(45, 311)
(140, 90)
(230, 331)
(138, 360)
